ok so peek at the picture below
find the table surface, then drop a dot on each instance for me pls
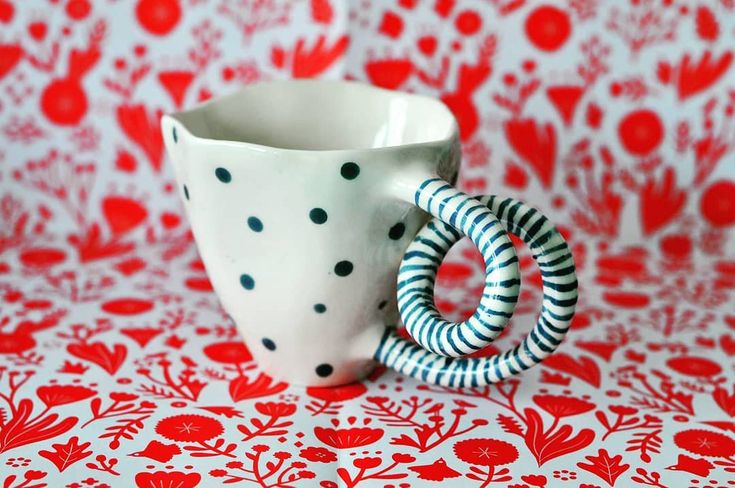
(118, 366)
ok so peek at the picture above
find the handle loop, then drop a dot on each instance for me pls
(437, 338)
(417, 273)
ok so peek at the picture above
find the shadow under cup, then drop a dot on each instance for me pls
(303, 197)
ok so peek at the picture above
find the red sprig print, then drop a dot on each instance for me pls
(660, 201)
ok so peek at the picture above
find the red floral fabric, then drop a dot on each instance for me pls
(118, 367)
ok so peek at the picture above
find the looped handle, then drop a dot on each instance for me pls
(417, 273)
(437, 338)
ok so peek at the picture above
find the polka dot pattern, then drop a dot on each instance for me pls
(350, 171)
(320, 308)
(247, 281)
(174, 135)
(269, 344)
(396, 232)
(186, 192)
(255, 224)
(223, 175)
(318, 215)
(324, 370)
(343, 268)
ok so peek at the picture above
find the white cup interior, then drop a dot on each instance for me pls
(320, 115)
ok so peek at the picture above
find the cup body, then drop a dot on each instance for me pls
(299, 198)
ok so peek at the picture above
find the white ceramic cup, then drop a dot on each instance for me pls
(309, 203)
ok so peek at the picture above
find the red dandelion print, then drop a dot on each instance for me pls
(189, 428)
(348, 438)
(318, 455)
(563, 406)
(276, 409)
(486, 452)
(55, 395)
(705, 443)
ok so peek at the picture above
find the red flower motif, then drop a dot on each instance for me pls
(338, 393)
(167, 479)
(318, 455)
(121, 396)
(348, 438)
(705, 443)
(403, 458)
(367, 462)
(54, 395)
(276, 409)
(694, 366)
(189, 428)
(15, 342)
(562, 406)
(486, 452)
(232, 352)
(623, 410)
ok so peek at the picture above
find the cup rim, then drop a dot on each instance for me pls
(175, 118)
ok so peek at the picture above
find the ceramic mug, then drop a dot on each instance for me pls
(310, 203)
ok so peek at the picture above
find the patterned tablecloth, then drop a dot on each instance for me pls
(118, 367)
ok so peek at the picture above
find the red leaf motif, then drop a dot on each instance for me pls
(20, 432)
(322, 11)
(99, 354)
(64, 455)
(697, 76)
(661, 201)
(123, 214)
(725, 400)
(142, 128)
(536, 144)
(10, 55)
(583, 368)
(707, 27)
(606, 467)
(241, 388)
(546, 446)
(310, 62)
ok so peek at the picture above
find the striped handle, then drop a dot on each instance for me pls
(439, 341)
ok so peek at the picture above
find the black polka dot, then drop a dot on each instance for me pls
(269, 344)
(343, 268)
(350, 171)
(320, 308)
(247, 281)
(223, 175)
(186, 192)
(173, 133)
(324, 370)
(255, 224)
(382, 304)
(318, 215)
(396, 232)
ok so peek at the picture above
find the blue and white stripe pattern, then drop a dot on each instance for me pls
(418, 271)
(438, 338)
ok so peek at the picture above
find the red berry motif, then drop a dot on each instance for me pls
(158, 17)
(548, 27)
(641, 132)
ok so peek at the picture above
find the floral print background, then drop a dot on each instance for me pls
(118, 367)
